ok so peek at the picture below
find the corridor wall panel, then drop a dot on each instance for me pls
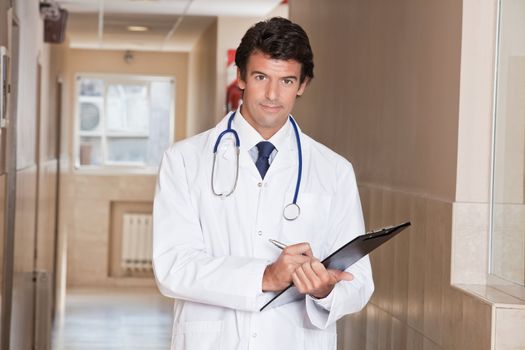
(386, 96)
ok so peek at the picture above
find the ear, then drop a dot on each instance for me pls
(303, 86)
(240, 83)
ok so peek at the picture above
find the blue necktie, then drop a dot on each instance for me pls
(263, 161)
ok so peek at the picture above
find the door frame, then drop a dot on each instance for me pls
(10, 181)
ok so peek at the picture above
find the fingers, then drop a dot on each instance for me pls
(316, 273)
(298, 249)
(314, 279)
(308, 280)
(279, 274)
(304, 279)
(346, 276)
(341, 275)
(294, 261)
(319, 268)
(298, 283)
(296, 264)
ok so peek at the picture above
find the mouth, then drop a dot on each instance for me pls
(270, 108)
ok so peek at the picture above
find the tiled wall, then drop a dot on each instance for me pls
(414, 306)
(470, 243)
(509, 328)
(88, 199)
(508, 242)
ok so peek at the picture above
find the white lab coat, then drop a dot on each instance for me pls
(210, 252)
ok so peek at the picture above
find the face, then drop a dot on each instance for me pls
(270, 87)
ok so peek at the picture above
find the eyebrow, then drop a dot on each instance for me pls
(287, 77)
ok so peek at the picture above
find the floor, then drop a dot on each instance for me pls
(114, 320)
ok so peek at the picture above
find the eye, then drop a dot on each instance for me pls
(260, 77)
(288, 81)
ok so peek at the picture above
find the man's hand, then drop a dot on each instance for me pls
(314, 279)
(278, 275)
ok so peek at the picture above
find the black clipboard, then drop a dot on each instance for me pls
(344, 257)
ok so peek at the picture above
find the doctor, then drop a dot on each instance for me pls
(211, 248)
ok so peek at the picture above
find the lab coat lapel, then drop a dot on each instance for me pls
(286, 156)
(227, 153)
(282, 161)
(246, 163)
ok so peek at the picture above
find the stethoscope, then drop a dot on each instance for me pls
(290, 211)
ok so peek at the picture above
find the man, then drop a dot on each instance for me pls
(211, 252)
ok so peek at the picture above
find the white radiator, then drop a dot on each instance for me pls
(136, 242)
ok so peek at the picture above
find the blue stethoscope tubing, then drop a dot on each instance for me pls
(290, 211)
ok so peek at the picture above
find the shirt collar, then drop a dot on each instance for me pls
(251, 137)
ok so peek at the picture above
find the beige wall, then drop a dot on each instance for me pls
(386, 92)
(202, 78)
(386, 96)
(86, 197)
(33, 229)
(88, 201)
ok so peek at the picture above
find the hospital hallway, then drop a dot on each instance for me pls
(114, 319)
(424, 99)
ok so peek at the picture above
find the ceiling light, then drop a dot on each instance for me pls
(138, 28)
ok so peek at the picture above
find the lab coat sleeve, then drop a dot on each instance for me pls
(347, 296)
(182, 267)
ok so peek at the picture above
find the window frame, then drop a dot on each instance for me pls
(111, 167)
(511, 287)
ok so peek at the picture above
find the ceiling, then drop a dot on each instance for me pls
(173, 25)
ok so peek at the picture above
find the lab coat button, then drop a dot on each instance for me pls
(260, 184)
(254, 335)
(259, 233)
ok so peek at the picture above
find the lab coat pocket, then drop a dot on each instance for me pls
(312, 223)
(319, 339)
(197, 335)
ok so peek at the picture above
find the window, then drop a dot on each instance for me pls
(123, 121)
(508, 202)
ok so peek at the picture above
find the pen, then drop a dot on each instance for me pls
(281, 245)
(277, 244)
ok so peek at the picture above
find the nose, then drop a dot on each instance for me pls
(272, 90)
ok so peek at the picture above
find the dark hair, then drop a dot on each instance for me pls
(280, 39)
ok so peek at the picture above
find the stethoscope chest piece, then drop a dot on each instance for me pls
(291, 212)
